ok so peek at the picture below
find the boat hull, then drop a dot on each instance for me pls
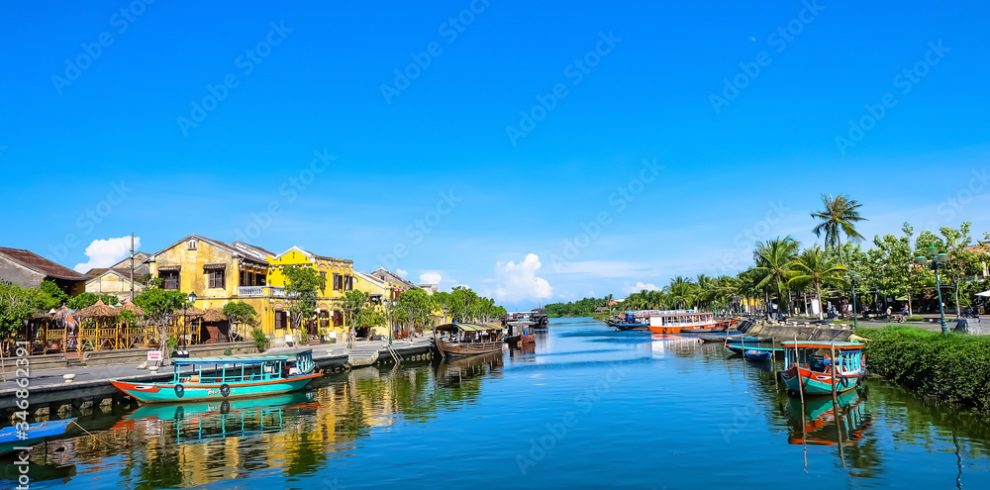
(815, 383)
(169, 393)
(451, 350)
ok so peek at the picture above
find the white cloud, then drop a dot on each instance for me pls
(430, 278)
(402, 272)
(520, 282)
(106, 252)
(640, 286)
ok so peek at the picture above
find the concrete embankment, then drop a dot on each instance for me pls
(783, 332)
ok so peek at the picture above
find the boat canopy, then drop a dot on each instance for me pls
(822, 345)
(467, 327)
(232, 360)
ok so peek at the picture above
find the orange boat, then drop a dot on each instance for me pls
(677, 321)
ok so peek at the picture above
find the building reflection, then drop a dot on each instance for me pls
(196, 444)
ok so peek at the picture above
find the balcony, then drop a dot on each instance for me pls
(260, 292)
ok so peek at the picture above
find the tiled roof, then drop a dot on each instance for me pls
(40, 264)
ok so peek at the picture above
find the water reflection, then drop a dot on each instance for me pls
(350, 422)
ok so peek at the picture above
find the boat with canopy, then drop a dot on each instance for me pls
(819, 368)
(464, 339)
(227, 377)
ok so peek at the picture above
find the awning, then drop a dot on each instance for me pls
(214, 267)
(169, 268)
(985, 294)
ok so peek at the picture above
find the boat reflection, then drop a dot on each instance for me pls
(818, 424)
(663, 345)
(202, 422)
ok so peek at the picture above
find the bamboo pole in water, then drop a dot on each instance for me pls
(835, 376)
(797, 371)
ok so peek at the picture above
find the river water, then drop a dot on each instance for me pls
(587, 408)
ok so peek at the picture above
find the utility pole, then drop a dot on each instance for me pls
(132, 267)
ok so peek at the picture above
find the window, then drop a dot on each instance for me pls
(280, 320)
(216, 278)
(349, 283)
(337, 282)
(191, 244)
(323, 277)
(170, 279)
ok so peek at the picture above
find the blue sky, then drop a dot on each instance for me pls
(533, 152)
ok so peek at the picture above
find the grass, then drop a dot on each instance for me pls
(952, 368)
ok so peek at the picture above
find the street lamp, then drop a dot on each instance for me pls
(936, 262)
(190, 301)
(855, 279)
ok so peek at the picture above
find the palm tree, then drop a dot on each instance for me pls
(773, 266)
(681, 292)
(815, 267)
(839, 217)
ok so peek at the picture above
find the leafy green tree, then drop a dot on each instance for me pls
(814, 267)
(17, 304)
(87, 299)
(962, 260)
(415, 309)
(303, 286)
(240, 313)
(160, 306)
(50, 296)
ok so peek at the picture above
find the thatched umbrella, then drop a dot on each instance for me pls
(98, 310)
(102, 316)
(193, 312)
(214, 315)
(133, 308)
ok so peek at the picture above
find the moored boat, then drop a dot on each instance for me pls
(811, 370)
(628, 322)
(463, 339)
(227, 378)
(677, 321)
(12, 437)
(519, 332)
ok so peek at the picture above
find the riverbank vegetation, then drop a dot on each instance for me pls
(884, 274)
(949, 368)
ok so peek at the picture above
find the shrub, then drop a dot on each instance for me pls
(953, 368)
(260, 339)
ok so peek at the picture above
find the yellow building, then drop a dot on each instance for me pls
(218, 273)
(340, 278)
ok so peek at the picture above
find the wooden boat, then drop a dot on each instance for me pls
(676, 321)
(811, 370)
(740, 348)
(519, 332)
(540, 319)
(462, 339)
(757, 355)
(11, 438)
(721, 338)
(226, 378)
(629, 322)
